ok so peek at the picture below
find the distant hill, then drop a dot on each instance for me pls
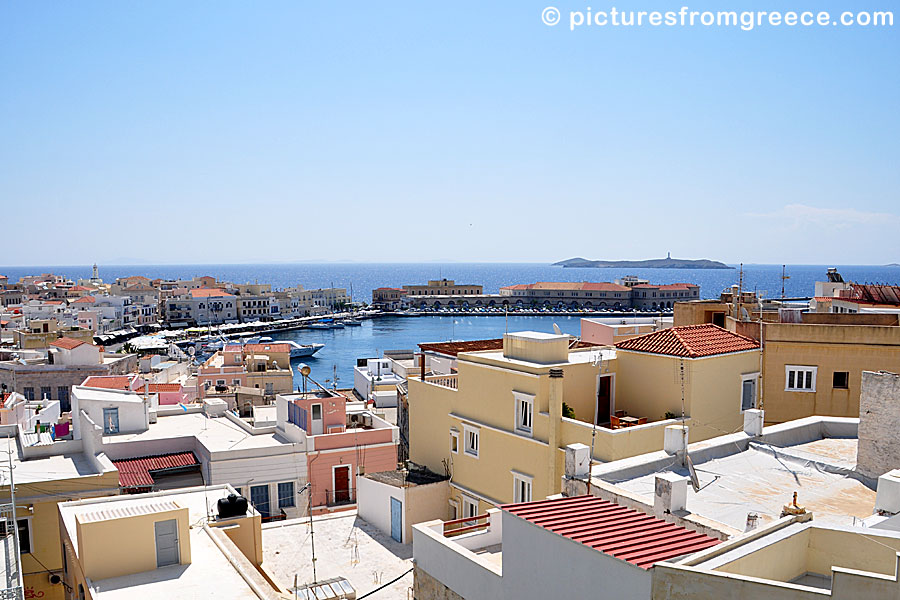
(653, 263)
(893, 265)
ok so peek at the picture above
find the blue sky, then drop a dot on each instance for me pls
(205, 132)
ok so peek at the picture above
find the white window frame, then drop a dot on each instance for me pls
(520, 479)
(524, 412)
(749, 377)
(799, 369)
(475, 450)
(454, 441)
(468, 501)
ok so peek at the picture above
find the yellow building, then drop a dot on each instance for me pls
(815, 367)
(41, 332)
(44, 476)
(172, 544)
(498, 425)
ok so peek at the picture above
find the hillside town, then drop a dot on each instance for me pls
(158, 440)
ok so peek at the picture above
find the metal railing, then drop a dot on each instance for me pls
(466, 525)
(340, 497)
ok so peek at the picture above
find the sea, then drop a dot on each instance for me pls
(344, 346)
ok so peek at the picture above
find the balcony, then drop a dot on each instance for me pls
(340, 497)
(445, 381)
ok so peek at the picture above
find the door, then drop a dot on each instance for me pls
(316, 419)
(342, 484)
(748, 393)
(259, 496)
(396, 520)
(604, 400)
(110, 421)
(166, 542)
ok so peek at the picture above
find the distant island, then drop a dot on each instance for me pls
(653, 263)
(893, 265)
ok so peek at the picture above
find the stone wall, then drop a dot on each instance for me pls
(879, 421)
(426, 587)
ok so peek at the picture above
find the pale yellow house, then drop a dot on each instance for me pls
(172, 544)
(498, 425)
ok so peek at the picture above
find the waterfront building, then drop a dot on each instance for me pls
(629, 293)
(388, 298)
(201, 306)
(264, 367)
(510, 410)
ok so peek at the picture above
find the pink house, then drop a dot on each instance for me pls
(169, 394)
(224, 368)
(342, 442)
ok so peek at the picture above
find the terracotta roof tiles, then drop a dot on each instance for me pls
(691, 341)
(138, 472)
(66, 343)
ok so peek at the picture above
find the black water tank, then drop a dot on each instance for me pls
(232, 506)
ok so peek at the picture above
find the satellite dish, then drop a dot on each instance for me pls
(192, 351)
(695, 482)
(556, 329)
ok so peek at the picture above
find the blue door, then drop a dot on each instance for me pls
(397, 520)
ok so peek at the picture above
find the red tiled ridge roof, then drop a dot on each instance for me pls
(626, 534)
(138, 472)
(115, 382)
(66, 343)
(454, 348)
(85, 300)
(600, 286)
(209, 293)
(262, 348)
(691, 341)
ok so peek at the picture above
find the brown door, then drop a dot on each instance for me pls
(604, 398)
(342, 483)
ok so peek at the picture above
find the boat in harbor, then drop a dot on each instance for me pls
(302, 350)
(320, 325)
(351, 322)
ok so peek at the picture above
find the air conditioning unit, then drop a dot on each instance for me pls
(367, 420)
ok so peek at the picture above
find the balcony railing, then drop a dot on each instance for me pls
(447, 381)
(467, 525)
(340, 497)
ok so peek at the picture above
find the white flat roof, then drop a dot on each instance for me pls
(217, 434)
(209, 575)
(739, 475)
(50, 468)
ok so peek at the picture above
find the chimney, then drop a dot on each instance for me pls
(578, 461)
(556, 394)
(669, 494)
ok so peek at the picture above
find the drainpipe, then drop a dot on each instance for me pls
(556, 394)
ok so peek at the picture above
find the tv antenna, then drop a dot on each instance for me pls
(783, 279)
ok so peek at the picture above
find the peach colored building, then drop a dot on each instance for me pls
(343, 442)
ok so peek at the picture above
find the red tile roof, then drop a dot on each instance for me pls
(79, 288)
(138, 472)
(629, 535)
(691, 341)
(155, 388)
(209, 293)
(85, 300)
(66, 343)
(263, 348)
(600, 286)
(115, 382)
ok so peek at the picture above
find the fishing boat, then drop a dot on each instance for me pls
(352, 322)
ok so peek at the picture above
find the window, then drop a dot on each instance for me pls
(24, 527)
(524, 411)
(748, 391)
(454, 509)
(45, 392)
(454, 441)
(286, 495)
(28, 392)
(521, 487)
(110, 421)
(840, 380)
(800, 379)
(220, 382)
(235, 382)
(471, 441)
(470, 507)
